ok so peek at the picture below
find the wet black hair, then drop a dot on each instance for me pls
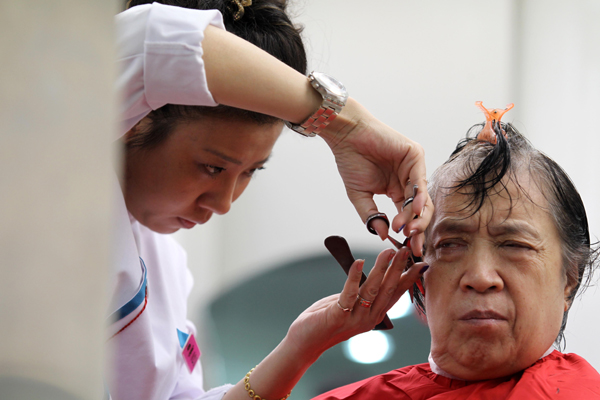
(480, 169)
(265, 24)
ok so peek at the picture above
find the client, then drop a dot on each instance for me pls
(508, 249)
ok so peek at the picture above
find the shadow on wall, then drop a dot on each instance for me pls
(249, 320)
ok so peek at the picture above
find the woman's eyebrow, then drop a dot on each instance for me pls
(233, 160)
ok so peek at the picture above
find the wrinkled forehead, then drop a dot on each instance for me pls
(517, 197)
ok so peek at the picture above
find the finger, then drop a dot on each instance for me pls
(370, 288)
(404, 216)
(415, 173)
(421, 198)
(380, 227)
(416, 229)
(406, 209)
(391, 280)
(350, 291)
(394, 291)
(365, 206)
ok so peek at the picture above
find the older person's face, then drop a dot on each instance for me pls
(496, 288)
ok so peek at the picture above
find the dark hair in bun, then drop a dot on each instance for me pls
(265, 24)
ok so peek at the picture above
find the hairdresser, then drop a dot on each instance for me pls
(207, 87)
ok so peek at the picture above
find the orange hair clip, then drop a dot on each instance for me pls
(487, 134)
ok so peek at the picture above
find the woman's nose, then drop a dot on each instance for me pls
(219, 198)
(482, 276)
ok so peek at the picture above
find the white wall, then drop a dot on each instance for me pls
(559, 89)
(419, 67)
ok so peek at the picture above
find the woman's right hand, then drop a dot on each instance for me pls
(325, 323)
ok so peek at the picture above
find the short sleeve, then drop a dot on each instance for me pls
(159, 57)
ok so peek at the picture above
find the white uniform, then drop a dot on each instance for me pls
(160, 62)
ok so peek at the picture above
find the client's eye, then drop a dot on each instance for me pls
(450, 244)
(516, 245)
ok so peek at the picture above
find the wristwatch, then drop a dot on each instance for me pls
(334, 95)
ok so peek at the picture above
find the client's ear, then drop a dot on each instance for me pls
(571, 285)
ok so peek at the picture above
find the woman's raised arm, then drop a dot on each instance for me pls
(372, 158)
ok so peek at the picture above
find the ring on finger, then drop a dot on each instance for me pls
(344, 309)
(364, 303)
(373, 217)
(407, 202)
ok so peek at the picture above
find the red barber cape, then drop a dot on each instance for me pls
(556, 376)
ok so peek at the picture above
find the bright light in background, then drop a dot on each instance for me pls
(402, 308)
(369, 347)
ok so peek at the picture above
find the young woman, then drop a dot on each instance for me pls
(202, 109)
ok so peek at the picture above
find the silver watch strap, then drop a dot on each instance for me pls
(316, 122)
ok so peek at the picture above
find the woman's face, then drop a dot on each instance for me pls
(199, 169)
(496, 289)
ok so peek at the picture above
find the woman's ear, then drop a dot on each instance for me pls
(130, 133)
(137, 129)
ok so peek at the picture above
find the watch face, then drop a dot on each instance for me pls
(331, 84)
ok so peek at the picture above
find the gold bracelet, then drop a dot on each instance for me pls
(251, 392)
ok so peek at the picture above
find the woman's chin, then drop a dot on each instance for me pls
(163, 226)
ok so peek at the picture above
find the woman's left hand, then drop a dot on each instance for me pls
(372, 158)
(325, 323)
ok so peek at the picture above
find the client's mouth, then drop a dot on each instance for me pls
(482, 315)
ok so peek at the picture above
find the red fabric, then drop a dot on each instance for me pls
(556, 376)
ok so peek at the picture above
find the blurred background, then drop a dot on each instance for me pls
(417, 66)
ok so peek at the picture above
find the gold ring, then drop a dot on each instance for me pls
(343, 309)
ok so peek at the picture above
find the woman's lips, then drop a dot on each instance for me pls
(187, 224)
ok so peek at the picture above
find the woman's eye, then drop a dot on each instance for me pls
(252, 171)
(212, 170)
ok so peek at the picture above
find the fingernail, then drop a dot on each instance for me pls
(422, 211)
(422, 271)
(360, 265)
(391, 256)
(412, 233)
(400, 229)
